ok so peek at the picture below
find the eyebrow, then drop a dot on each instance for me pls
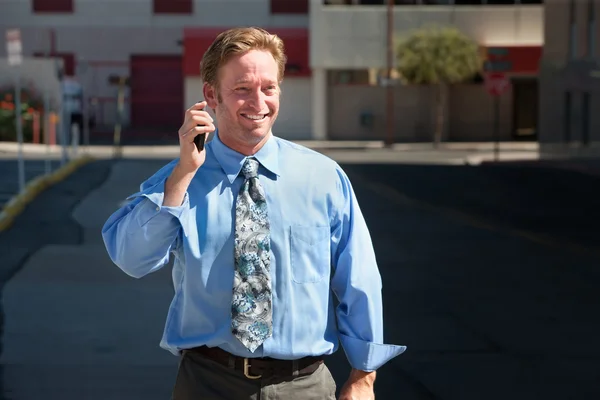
(244, 80)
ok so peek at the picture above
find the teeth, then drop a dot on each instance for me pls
(254, 117)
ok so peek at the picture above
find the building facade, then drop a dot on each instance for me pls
(348, 54)
(570, 79)
(336, 50)
(156, 44)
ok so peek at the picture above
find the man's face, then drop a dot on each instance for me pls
(246, 103)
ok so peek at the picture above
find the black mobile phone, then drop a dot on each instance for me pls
(200, 139)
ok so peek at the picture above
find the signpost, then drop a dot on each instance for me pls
(496, 83)
(15, 59)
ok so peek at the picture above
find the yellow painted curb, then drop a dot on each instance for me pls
(17, 204)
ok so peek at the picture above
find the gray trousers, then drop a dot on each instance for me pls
(199, 378)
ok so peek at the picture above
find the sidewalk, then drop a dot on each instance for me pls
(343, 151)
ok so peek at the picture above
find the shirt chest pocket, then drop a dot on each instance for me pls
(310, 253)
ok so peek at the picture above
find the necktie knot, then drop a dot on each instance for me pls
(250, 168)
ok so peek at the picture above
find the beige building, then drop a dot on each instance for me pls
(336, 50)
(570, 78)
(348, 57)
(154, 43)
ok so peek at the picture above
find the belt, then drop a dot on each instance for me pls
(255, 368)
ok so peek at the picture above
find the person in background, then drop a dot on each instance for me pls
(264, 233)
(73, 108)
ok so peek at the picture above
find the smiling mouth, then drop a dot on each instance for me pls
(255, 117)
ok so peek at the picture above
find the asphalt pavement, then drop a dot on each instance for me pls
(9, 175)
(490, 278)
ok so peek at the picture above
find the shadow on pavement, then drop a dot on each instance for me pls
(486, 312)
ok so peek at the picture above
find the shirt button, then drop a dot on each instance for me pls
(157, 208)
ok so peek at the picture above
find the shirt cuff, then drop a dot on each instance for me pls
(153, 207)
(368, 356)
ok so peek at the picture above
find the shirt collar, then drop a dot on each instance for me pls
(231, 161)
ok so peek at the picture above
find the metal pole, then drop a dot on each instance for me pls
(496, 127)
(118, 126)
(65, 125)
(19, 126)
(86, 118)
(390, 63)
(74, 129)
(47, 123)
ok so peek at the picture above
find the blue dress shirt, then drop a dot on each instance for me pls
(320, 246)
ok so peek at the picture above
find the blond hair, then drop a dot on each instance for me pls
(237, 41)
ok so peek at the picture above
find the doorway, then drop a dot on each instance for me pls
(157, 92)
(525, 108)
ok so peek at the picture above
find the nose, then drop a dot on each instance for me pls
(257, 101)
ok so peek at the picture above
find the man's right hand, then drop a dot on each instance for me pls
(190, 159)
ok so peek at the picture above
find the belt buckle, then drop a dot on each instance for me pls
(247, 370)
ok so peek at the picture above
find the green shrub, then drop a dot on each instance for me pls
(30, 101)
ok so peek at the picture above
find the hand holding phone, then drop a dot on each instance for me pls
(200, 139)
(192, 136)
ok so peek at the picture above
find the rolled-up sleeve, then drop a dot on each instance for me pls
(357, 284)
(140, 235)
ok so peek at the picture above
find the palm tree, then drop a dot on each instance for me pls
(439, 56)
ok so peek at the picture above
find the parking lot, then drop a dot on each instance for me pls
(490, 280)
(9, 179)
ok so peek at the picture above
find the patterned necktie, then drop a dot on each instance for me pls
(251, 307)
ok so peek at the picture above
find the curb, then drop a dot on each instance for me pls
(17, 204)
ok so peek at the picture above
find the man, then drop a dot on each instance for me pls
(263, 232)
(73, 108)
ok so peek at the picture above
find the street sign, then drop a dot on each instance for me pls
(14, 48)
(496, 83)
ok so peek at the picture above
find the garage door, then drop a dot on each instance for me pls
(294, 121)
(156, 92)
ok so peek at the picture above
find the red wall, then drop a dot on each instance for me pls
(197, 40)
(515, 59)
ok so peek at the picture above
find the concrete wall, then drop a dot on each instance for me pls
(138, 13)
(469, 113)
(557, 61)
(355, 37)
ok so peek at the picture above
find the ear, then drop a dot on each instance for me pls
(210, 95)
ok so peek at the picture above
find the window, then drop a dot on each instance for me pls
(434, 2)
(289, 6)
(172, 6)
(572, 29)
(591, 42)
(52, 6)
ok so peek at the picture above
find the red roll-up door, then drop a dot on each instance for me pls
(156, 91)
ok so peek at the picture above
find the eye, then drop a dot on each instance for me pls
(242, 89)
